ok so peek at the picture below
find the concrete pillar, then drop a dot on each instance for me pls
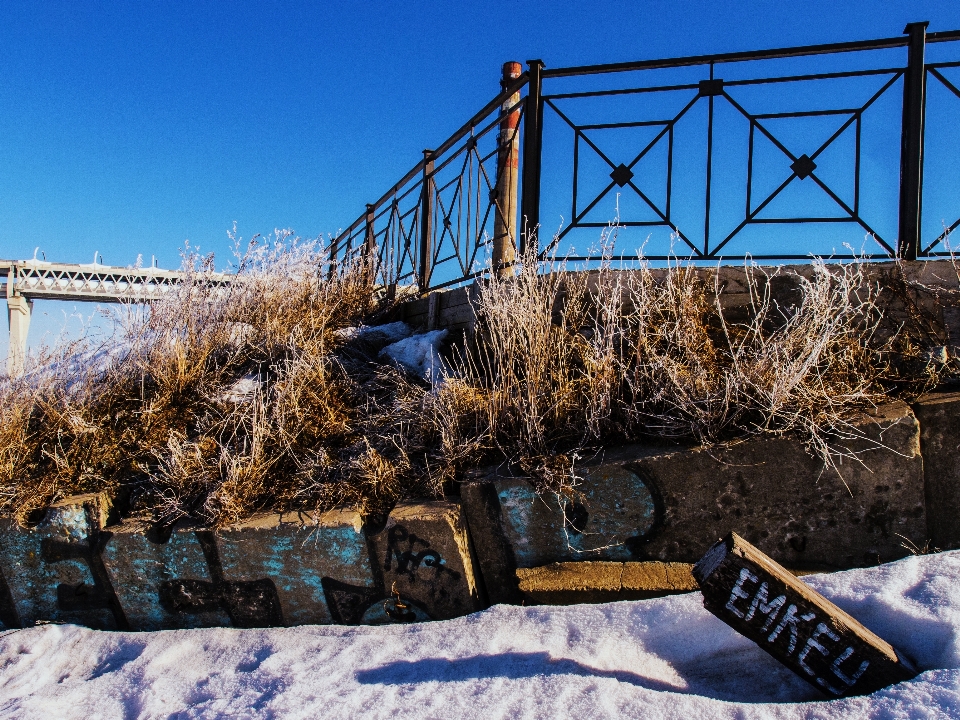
(505, 219)
(19, 310)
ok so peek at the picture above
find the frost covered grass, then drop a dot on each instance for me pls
(654, 659)
(291, 387)
(567, 361)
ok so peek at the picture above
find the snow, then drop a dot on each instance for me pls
(243, 389)
(420, 355)
(660, 659)
(391, 332)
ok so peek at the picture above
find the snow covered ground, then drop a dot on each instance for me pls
(665, 658)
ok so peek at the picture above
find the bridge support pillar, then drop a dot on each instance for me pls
(19, 310)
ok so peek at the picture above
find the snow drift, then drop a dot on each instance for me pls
(665, 658)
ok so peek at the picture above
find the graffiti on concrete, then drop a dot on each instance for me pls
(138, 577)
(8, 608)
(348, 603)
(81, 596)
(251, 603)
(402, 549)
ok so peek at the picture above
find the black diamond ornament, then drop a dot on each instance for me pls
(803, 166)
(621, 175)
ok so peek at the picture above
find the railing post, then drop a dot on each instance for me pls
(508, 159)
(332, 267)
(370, 246)
(425, 269)
(911, 143)
(532, 141)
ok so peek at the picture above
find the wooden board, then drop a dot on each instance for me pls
(799, 627)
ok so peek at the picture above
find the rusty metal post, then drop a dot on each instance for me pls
(369, 252)
(532, 142)
(508, 162)
(911, 143)
(425, 269)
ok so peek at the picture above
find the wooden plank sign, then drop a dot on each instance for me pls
(799, 627)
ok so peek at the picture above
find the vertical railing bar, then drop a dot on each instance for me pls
(856, 172)
(706, 216)
(369, 245)
(576, 160)
(911, 143)
(426, 222)
(532, 147)
(750, 168)
(669, 171)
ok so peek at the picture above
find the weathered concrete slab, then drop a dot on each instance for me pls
(163, 579)
(53, 571)
(612, 511)
(493, 551)
(302, 556)
(603, 581)
(939, 416)
(424, 552)
(657, 577)
(785, 502)
(570, 583)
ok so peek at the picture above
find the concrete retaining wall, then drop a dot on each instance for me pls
(453, 309)
(639, 514)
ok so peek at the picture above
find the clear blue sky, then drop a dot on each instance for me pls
(127, 128)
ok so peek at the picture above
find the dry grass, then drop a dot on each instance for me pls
(566, 362)
(216, 402)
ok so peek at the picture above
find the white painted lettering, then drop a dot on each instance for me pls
(769, 609)
(738, 592)
(790, 621)
(812, 644)
(844, 678)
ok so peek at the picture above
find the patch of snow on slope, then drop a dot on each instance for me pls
(391, 332)
(663, 659)
(420, 354)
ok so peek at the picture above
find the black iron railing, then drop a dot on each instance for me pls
(775, 154)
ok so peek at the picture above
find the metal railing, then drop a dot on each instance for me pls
(706, 163)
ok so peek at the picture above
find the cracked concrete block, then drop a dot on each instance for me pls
(303, 556)
(424, 551)
(939, 416)
(572, 576)
(603, 581)
(784, 501)
(53, 571)
(658, 577)
(157, 572)
(611, 511)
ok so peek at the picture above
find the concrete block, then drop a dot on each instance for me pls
(657, 577)
(603, 581)
(939, 417)
(155, 573)
(424, 551)
(53, 571)
(612, 510)
(567, 584)
(303, 556)
(493, 551)
(786, 502)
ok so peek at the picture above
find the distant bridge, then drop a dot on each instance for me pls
(29, 280)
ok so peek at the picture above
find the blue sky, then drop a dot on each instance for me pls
(127, 128)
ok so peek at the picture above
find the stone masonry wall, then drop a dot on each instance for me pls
(638, 511)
